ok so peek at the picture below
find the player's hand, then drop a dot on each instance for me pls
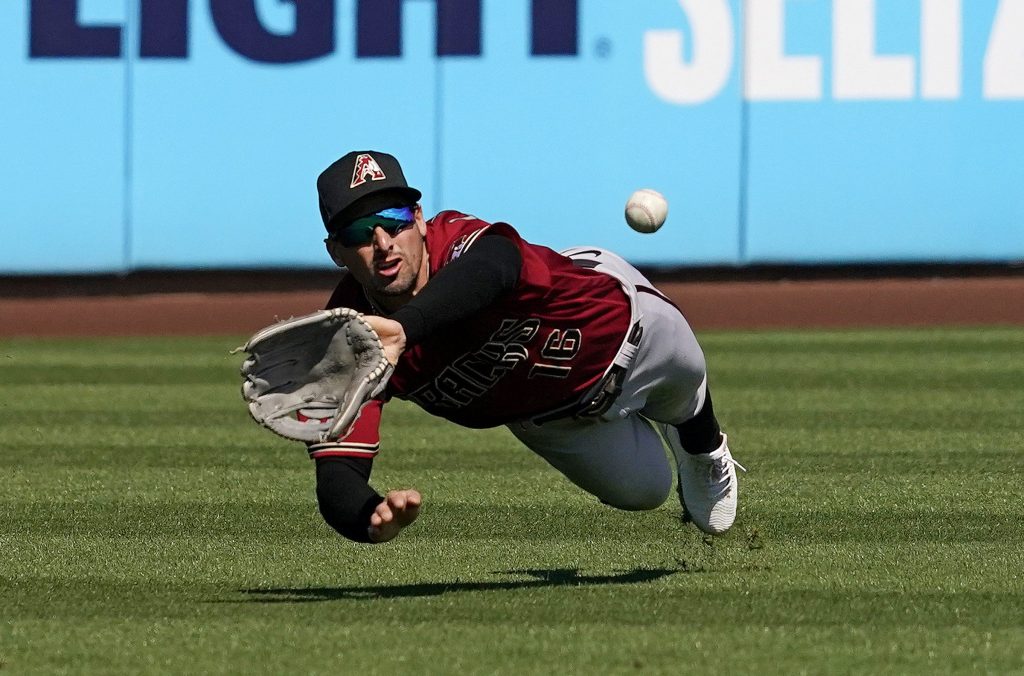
(399, 509)
(392, 335)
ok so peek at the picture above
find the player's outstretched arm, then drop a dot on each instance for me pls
(459, 290)
(399, 509)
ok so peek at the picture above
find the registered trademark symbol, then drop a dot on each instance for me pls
(603, 48)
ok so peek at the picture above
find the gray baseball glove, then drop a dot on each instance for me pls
(306, 378)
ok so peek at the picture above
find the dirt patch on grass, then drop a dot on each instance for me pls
(708, 305)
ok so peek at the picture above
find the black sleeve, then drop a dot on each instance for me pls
(346, 499)
(470, 283)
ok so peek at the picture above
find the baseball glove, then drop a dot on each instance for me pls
(306, 378)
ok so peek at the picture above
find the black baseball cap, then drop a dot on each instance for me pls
(361, 183)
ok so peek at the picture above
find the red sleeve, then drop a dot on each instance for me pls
(362, 441)
(451, 233)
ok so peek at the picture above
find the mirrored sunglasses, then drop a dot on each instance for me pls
(360, 231)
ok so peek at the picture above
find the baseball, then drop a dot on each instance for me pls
(646, 210)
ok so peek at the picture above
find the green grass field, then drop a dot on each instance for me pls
(147, 525)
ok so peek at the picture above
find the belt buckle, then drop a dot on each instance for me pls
(607, 393)
(611, 386)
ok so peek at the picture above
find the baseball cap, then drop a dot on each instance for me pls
(361, 183)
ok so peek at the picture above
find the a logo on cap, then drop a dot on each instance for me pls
(366, 169)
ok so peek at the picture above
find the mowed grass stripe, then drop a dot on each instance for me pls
(996, 522)
(222, 645)
(147, 523)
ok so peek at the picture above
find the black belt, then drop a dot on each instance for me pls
(599, 398)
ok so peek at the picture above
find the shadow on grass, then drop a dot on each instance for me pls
(559, 577)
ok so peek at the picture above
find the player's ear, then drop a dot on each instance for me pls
(421, 223)
(334, 251)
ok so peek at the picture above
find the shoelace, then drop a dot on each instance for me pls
(720, 473)
(719, 466)
(736, 464)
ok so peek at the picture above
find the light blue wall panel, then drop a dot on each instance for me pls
(875, 179)
(61, 152)
(209, 159)
(227, 150)
(555, 144)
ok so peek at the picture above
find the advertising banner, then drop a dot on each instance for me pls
(189, 133)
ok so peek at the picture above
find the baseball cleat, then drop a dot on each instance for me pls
(708, 488)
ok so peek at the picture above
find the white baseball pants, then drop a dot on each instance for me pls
(619, 457)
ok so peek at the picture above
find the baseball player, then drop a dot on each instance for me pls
(578, 354)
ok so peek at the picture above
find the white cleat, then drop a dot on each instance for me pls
(708, 487)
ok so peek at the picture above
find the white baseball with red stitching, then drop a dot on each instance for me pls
(646, 210)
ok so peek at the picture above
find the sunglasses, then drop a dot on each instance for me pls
(360, 231)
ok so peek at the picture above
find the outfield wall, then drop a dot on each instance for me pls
(189, 133)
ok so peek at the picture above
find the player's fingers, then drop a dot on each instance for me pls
(397, 500)
(384, 512)
(411, 511)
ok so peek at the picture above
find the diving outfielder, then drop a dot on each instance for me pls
(575, 352)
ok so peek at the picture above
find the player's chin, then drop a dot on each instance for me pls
(394, 287)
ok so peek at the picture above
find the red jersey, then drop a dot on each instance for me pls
(535, 349)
